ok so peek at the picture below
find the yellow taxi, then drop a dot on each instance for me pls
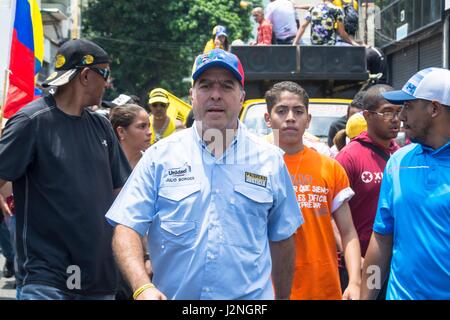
(323, 111)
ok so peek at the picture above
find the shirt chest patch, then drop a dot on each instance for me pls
(256, 179)
(181, 174)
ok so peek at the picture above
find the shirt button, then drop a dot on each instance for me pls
(217, 191)
(207, 289)
(162, 247)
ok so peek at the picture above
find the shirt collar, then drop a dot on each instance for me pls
(426, 149)
(237, 137)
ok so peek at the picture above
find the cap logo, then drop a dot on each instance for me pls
(52, 76)
(410, 88)
(60, 61)
(87, 59)
(208, 57)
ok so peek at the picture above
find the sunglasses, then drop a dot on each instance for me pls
(104, 72)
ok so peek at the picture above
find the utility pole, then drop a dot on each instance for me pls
(366, 31)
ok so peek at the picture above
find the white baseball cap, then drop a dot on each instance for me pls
(428, 84)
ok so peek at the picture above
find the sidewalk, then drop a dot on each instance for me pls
(7, 291)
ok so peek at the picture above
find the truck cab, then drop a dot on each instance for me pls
(331, 75)
(323, 112)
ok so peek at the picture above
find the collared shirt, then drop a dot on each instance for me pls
(264, 32)
(210, 220)
(414, 207)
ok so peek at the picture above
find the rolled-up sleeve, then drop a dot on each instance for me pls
(285, 216)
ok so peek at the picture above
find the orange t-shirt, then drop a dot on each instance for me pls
(321, 186)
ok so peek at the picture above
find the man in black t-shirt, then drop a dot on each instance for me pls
(339, 124)
(66, 165)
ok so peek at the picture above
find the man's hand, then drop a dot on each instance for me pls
(149, 269)
(351, 292)
(4, 207)
(151, 294)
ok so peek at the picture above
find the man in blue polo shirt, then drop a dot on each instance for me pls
(412, 225)
(217, 203)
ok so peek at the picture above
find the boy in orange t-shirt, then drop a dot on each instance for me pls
(323, 192)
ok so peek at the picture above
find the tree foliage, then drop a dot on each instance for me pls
(153, 43)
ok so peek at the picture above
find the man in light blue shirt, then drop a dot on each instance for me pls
(217, 203)
(412, 225)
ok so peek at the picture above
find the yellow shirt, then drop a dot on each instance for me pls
(340, 3)
(210, 45)
(167, 132)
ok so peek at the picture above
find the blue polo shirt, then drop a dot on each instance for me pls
(414, 207)
(209, 220)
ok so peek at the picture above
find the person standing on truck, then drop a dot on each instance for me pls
(217, 203)
(264, 36)
(323, 192)
(323, 17)
(351, 15)
(281, 14)
(219, 40)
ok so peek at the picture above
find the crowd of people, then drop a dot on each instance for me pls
(213, 212)
(333, 22)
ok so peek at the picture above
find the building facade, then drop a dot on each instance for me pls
(61, 20)
(413, 34)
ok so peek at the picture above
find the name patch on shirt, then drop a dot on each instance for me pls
(179, 174)
(256, 179)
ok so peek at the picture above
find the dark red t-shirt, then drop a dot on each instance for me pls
(364, 169)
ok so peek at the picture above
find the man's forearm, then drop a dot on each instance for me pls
(352, 252)
(129, 255)
(283, 266)
(376, 265)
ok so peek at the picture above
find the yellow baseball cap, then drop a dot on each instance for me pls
(158, 95)
(355, 125)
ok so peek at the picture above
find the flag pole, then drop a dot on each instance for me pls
(5, 93)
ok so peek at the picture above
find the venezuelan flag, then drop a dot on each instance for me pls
(27, 53)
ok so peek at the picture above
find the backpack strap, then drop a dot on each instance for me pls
(375, 149)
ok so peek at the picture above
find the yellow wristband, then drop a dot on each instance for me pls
(142, 289)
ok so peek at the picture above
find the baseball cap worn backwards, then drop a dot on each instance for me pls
(428, 84)
(71, 57)
(218, 58)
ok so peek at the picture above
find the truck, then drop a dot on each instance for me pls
(331, 75)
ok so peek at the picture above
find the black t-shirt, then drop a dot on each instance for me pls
(336, 126)
(64, 169)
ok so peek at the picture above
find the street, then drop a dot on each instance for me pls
(7, 291)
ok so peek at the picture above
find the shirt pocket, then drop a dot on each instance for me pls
(246, 221)
(177, 200)
(175, 221)
(178, 232)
